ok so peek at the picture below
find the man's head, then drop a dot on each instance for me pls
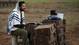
(22, 5)
(53, 12)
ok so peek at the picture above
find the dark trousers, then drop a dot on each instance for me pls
(21, 33)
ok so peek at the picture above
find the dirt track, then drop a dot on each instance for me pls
(5, 39)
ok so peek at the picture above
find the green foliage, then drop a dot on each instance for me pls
(71, 0)
(37, 1)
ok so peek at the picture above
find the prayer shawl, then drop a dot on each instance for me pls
(14, 18)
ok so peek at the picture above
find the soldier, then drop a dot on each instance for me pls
(16, 23)
(55, 16)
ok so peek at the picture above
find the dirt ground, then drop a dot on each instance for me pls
(72, 27)
(71, 16)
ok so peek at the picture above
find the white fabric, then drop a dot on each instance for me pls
(13, 20)
(60, 15)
